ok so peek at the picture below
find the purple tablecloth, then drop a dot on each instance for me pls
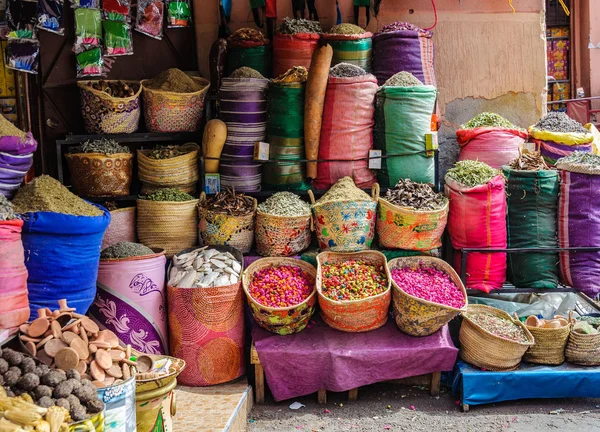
(323, 358)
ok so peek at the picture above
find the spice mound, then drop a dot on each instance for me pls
(488, 119)
(582, 159)
(472, 173)
(429, 284)
(352, 280)
(346, 70)
(204, 268)
(103, 145)
(247, 34)
(174, 80)
(297, 74)
(45, 194)
(117, 89)
(281, 287)
(168, 152)
(246, 72)
(419, 196)
(168, 194)
(285, 204)
(344, 189)
(291, 26)
(401, 25)
(499, 326)
(230, 203)
(556, 121)
(6, 209)
(346, 29)
(125, 250)
(403, 79)
(529, 161)
(9, 129)
(19, 414)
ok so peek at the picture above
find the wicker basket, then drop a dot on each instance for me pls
(282, 235)
(583, 349)
(418, 317)
(357, 315)
(282, 321)
(406, 228)
(105, 114)
(487, 351)
(179, 172)
(345, 225)
(222, 229)
(550, 344)
(97, 174)
(121, 227)
(167, 225)
(174, 112)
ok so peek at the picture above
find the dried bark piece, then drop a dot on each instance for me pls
(116, 355)
(30, 347)
(53, 346)
(44, 358)
(93, 348)
(81, 347)
(103, 359)
(44, 341)
(126, 371)
(109, 381)
(98, 384)
(103, 345)
(72, 326)
(67, 358)
(90, 325)
(83, 335)
(24, 328)
(56, 329)
(26, 338)
(81, 367)
(96, 371)
(68, 336)
(38, 327)
(115, 371)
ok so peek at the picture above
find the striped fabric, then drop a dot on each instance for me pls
(16, 157)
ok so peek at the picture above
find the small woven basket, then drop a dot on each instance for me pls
(180, 172)
(418, 317)
(174, 112)
(282, 235)
(356, 315)
(486, 350)
(550, 344)
(222, 229)
(105, 114)
(282, 321)
(583, 349)
(121, 227)
(97, 174)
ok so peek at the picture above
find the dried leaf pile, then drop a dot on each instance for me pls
(168, 194)
(472, 173)
(228, 202)
(556, 121)
(167, 152)
(297, 74)
(247, 34)
(118, 89)
(291, 26)
(418, 196)
(346, 29)
(125, 250)
(103, 146)
(488, 119)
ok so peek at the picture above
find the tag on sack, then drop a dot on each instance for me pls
(212, 183)
(261, 151)
(374, 159)
(431, 143)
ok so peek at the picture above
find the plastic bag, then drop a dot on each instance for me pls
(85, 4)
(50, 16)
(22, 18)
(23, 55)
(90, 63)
(149, 19)
(179, 13)
(117, 38)
(116, 10)
(88, 28)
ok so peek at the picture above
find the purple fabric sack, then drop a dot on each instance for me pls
(16, 157)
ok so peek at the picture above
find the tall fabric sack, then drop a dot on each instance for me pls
(293, 50)
(347, 131)
(403, 50)
(16, 157)
(555, 145)
(255, 57)
(532, 198)
(579, 226)
(402, 118)
(477, 219)
(14, 305)
(62, 253)
(353, 49)
(495, 146)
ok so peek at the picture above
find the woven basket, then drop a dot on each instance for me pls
(282, 321)
(97, 174)
(356, 315)
(282, 235)
(167, 225)
(223, 229)
(105, 114)
(345, 225)
(121, 227)
(549, 347)
(418, 317)
(406, 228)
(179, 172)
(487, 351)
(583, 349)
(174, 112)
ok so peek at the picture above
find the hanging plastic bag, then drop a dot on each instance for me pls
(179, 13)
(23, 55)
(90, 63)
(116, 10)
(50, 16)
(22, 18)
(149, 19)
(117, 38)
(85, 4)
(88, 28)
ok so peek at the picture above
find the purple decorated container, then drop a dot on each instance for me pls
(16, 157)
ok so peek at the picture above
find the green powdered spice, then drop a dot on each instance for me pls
(168, 194)
(346, 29)
(582, 158)
(6, 209)
(125, 250)
(499, 326)
(246, 72)
(102, 145)
(487, 119)
(285, 204)
(472, 173)
(45, 194)
(403, 79)
(344, 189)
(556, 121)
(291, 26)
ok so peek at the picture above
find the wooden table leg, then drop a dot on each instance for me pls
(259, 384)
(434, 386)
(322, 396)
(353, 394)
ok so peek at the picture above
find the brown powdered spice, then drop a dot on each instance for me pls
(174, 80)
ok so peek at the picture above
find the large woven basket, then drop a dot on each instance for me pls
(357, 315)
(174, 112)
(418, 317)
(105, 114)
(487, 351)
(282, 235)
(222, 229)
(167, 225)
(345, 225)
(97, 174)
(121, 227)
(282, 321)
(549, 347)
(583, 349)
(406, 228)
(179, 172)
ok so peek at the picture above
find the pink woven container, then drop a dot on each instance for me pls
(121, 228)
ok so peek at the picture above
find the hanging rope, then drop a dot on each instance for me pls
(565, 8)
(511, 6)
(435, 14)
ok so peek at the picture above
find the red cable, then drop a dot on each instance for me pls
(435, 14)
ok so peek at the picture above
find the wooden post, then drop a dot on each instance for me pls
(322, 396)
(434, 386)
(353, 394)
(259, 383)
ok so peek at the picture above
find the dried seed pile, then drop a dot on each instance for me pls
(125, 250)
(246, 72)
(344, 70)
(103, 145)
(167, 152)
(403, 79)
(556, 121)
(419, 196)
(6, 209)
(204, 268)
(118, 89)
(528, 161)
(230, 203)
(346, 29)
(401, 25)
(174, 80)
(168, 194)
(352, 280)
(499, 326)
(472, 173)
(9, 129)
(344, 189)
(488, 119)
(297, 74)
(247, 34)
(285, 204)
(291, 26)
(45, 194)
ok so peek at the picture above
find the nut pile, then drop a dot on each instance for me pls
(419, 196)
(204, 268)
(352, 280)
(19, 414)
(118, 89)
(285, 204)
(556, 121)
(228, 202)
(281, 287)
(346, 70)
(498, 326)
